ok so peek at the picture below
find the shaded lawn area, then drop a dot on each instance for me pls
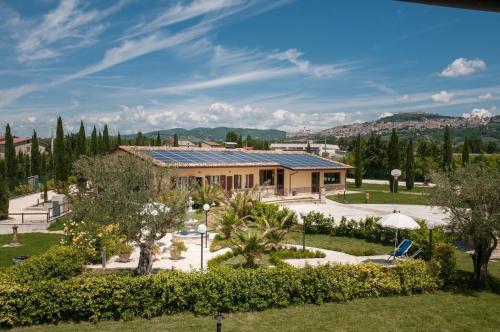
(33, 243)
(356, 247)
(385, 188)
(377, 197)
(440, 311)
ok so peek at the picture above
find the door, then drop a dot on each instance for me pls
(315, 182)
(229, 183)
(280, 182)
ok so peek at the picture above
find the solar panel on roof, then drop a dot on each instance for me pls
(240, 157)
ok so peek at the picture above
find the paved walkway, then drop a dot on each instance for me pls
(32, 223)
(191, 259)
(361, 211)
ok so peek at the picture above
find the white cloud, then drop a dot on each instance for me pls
(32, 119)
(462, 67)
(404, 98)
(69, 26)
(478, 113)
(486, 96)
(385, 115)
(442, 97)
(381, 87)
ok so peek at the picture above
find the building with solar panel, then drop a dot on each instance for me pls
(276, 173)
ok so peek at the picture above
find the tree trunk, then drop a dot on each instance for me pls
(480, 260)
(146, 258)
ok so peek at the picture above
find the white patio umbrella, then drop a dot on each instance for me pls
(398, 221)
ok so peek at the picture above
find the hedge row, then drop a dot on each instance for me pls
(220, 290)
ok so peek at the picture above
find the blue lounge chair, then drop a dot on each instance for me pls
(402, 250)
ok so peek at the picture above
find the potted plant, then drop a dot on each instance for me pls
(176, 250)
(124, 251)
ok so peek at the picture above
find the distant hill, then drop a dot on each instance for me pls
(216, 134)
(413, 116)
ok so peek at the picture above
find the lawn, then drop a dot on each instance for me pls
(440, 311)
(33, 243)
(385, 187)
(377, 197)
(356, 247)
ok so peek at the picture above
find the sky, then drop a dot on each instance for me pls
(282, 64)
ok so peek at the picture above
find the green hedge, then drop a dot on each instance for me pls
(223, 289)
(59, 262)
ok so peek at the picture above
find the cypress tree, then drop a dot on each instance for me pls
(27, 165)
(358, 162)
(158, 139)
(308, 148)
(10, 156)
(81, 141)
(465, 152)
(20, 166)
(447, 162)
(36, 157)
(59, 154)
(393, 156)
(106, 145)
(240, 141)
(4, 192)
(119, 140)
(93, 143)
(176, 140)
(410, 166)
(100, 147)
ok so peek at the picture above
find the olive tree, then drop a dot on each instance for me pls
(135, 194)
(471, 197)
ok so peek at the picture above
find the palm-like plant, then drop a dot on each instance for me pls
(274, 227)
(229, 222)
(249, 244)
(209, 194)
(242, 203)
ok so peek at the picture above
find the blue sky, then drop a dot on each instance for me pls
(148, 65)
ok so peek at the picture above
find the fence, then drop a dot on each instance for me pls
(51, 214)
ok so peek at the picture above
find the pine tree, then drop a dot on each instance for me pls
(119, 140)
(60, 162)
(410, 166)
(393, 156)
(139, 139)
(106, 144)
(81, 141)
(10, 156)
(465, 152)
(358, 162)
(158, 139)
(93, 143)
(447, 162)
(36, 162)
(176, 140)
(4, 192)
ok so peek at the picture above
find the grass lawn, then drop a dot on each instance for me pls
(33, 243)
(356, 247)
(377, 197)
(440, 311)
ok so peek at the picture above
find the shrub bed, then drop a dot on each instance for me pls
(218, 290)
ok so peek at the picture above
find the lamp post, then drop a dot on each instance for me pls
(206, 208)
(202, 229)
(218, 319)
(395, 173)
(303, 218)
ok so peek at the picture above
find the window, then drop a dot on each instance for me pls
(266, 177)
(183, 182)
(249, 181)
(332, 178)
(237, 182)
(213, 179)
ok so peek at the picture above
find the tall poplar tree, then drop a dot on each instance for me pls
(358, 162)
(93, 143)
(10, 156)
(465, 152)
(36, 158)
(59, 154)
(81, 141)
(393, 156)
(410, 166)
(106, 144)
(447, 162)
